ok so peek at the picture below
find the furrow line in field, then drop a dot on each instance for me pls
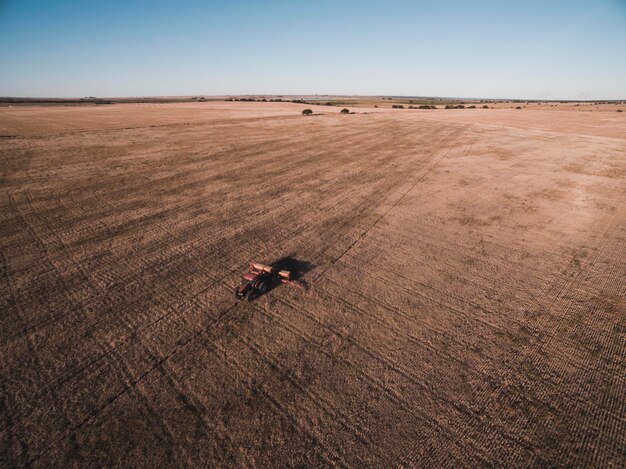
(364, 233)
(406, 375)
(446, 304)
(149, 293)
(580, 398)
(335, 414)
(391, 394)
(558, 336)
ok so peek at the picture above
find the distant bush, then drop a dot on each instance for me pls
(307, 112)
(426, 106)
(518, 107)
(345, 111)
(449, 106)
(619, 110)
(375, 105)
(397, 106)
(485, 107)
(471, 107)
(329, 103)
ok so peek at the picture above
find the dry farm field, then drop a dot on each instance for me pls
(465, 272)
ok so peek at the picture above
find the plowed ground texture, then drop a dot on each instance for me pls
(465, 275)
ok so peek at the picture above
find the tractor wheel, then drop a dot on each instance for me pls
(262, 288)
(251, 294)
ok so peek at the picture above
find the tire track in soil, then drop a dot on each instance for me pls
(487, 312)
(393, 397)
(160, 362)
(126, 279)
(364, 233)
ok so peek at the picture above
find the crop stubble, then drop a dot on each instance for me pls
(465, 305)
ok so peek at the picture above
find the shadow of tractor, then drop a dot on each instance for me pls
(297, 267)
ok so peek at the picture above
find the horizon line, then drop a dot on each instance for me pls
(265, 95)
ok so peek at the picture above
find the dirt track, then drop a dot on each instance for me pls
(465, 301)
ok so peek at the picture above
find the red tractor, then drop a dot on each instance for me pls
(259, 279)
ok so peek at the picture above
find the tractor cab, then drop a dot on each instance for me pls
(250, 276)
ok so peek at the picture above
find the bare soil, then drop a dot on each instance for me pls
(465, 302)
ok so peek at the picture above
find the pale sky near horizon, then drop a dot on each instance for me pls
(531, 49)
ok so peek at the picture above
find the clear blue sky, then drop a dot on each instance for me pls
(519, 49)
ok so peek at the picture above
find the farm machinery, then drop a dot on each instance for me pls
(260, 278)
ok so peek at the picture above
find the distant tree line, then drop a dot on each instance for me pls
(423, 106)
(273, 100)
